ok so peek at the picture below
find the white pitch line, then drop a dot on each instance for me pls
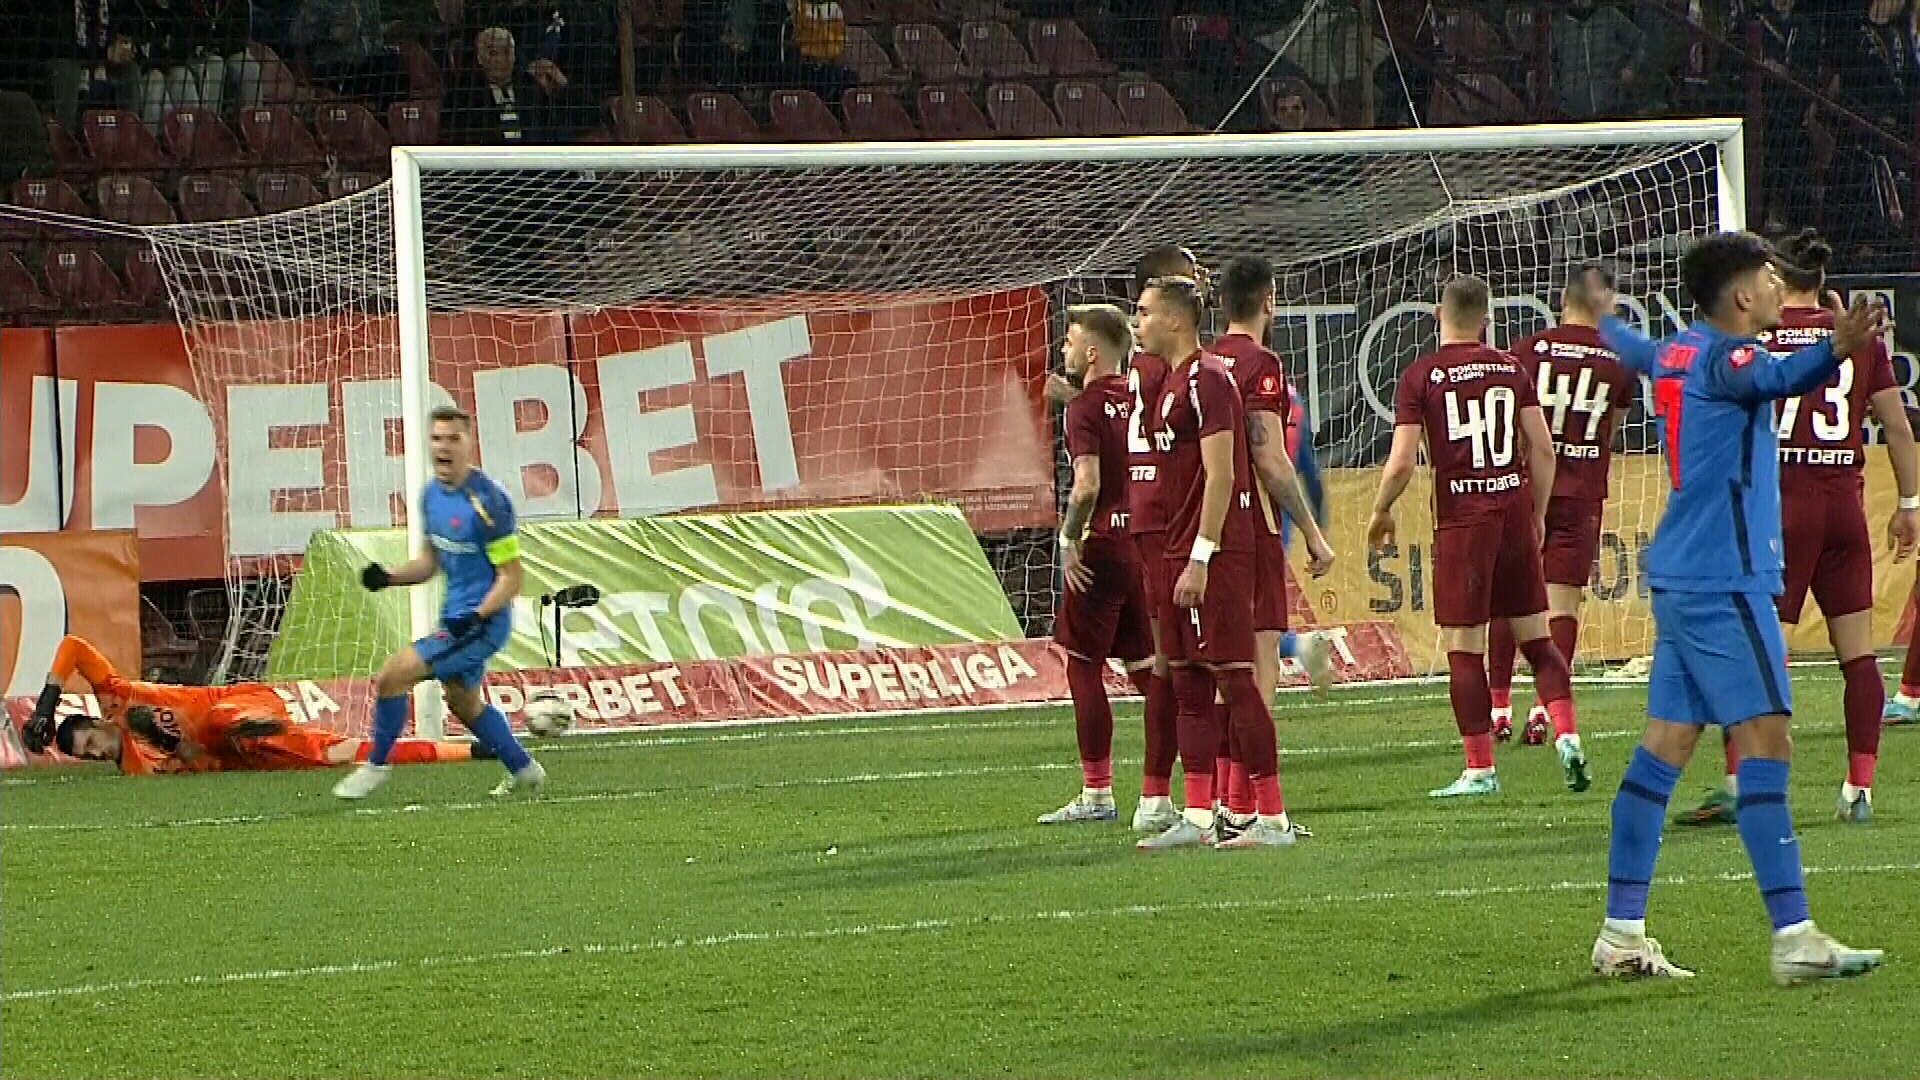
(917, 926)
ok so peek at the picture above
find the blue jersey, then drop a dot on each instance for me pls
(471, 530)
(1714, 396)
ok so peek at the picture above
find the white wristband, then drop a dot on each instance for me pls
(1068, 541)
(1910, 502)
(1203, 550)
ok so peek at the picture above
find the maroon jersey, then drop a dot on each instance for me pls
(1579, 383)
(1468, 399)
(1198, 400)
(1146, 374)
(1263, 388)
(1097, 425)
(1820, 431)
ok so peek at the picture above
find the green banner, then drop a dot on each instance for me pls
(679, 588)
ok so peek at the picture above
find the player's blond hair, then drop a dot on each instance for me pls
(1466, 299)
(1108, 325)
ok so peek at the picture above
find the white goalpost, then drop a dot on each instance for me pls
(928, 255)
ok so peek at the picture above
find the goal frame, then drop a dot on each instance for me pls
(410, 163)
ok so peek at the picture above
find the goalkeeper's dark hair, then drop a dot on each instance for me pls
(1245, 283)
(1167, 260)
(1803, 260)
(1713, 263)
(69, 730)
(448, 414)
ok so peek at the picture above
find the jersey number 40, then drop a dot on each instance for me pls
(1485, 423)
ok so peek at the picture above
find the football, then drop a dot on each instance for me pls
(547, 714)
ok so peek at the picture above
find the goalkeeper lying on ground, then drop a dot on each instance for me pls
(148, 728)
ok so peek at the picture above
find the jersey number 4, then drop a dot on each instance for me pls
(1832, 424)
(1486, 423)
(1561, 396)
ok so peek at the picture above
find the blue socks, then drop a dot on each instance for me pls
(1767, 831)
(1289, 645)
(389, 720)
(491, 729)
(1639, 814)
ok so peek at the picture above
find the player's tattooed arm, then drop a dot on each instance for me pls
(1266, 436)
(1073, 525)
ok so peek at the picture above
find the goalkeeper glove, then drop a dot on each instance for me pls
(375, 577)
(461, 626)
(39, 729)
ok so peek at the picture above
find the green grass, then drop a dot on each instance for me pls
(865, 900)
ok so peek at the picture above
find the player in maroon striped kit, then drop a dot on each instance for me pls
(1198, 428)
(1904, 708)
(1583, 392)
(1823, 516)
(1492, 477)
(1103, 610)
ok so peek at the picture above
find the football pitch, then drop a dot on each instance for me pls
(874, 899)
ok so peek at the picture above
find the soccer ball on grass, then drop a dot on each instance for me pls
(547, 714)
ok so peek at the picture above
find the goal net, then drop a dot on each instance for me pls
(649, 330)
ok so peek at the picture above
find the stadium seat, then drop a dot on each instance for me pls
(424, 80)
(264, 79)
(1468, 41)
(414, 123)
(341, 185)
(875, 115)
(1190, 32)
(863, 12)
(350, 134)
(1085, 109)
(78, 277)
(925, 52)
(993, 51)
(117, 139)
(961, 11)
(1477, 99)
(946, 112)
(197, 138)
(277, 137)
(1150, 107)
(49, 194)
(20, 293)
(1275, 95)
(1524, 24)
(132, 200)
(800, 116)
(276, 192)
(868, 59)
(1063, 49)
(145, 286)
(211, 197)
(1018, 112)
(68, 157)
(914, 11)
(720, 118)
(649, 122)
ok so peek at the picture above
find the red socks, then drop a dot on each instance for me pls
(1092, 720)
(1472, 706)
(1198, 730)
(1256, 740)
(1163, 745)
(1223, 760)
(1500, 663)
(1566, 636)
(1552, 682)
(1865, 696)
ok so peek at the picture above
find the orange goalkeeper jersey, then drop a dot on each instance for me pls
(214, 720)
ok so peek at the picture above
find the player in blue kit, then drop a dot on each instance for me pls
(470, 536)
(1715, 567)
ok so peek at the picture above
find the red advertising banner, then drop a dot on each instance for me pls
(54, 584)
(293, 425)
(772, 688)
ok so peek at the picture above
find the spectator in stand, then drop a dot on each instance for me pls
(1291, 112)
(340, 41)
(504, 104)
(1794, 148)
(168, 54)
(579, 36)
(70, 40)
(1597, 54)
(1880, 80)
(819, 38)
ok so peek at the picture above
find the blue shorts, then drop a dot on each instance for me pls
(464, 661)
(1718, 658)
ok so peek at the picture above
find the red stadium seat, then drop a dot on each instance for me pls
(946, 112)
(650, 122)
(264, 79)
(1490, 101)
(1085, 109)
(868, 59)
(118, 140)
(1147, 105)
(1468, 40)
(1523, 28)
(68, 157)
(196, 137)
(993, 51)
(1063, 48)
(350, 133)
(1189, 32)
(1275, 99)
(414, 123)
(1018, 112)
(341, 185)
(210, 197)
(800, 116)
(78, 277)
(277, 137)
(961, 11)
(928, 55)
(874, 115)
(145, 286)
(277, 192)
(720, 118)
(424, 80)
(19, 292)
(132, 200)
(52, 195)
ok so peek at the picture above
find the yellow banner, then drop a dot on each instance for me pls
(1616, 622)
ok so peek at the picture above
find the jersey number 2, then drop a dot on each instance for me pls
(1136, 424)
(1486, 423)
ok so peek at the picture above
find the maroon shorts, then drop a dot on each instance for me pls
(1220, 630)
(1572, 541)
(1110, 617)
(1829, 551)
(1269, 581)
(1488, 569)
(1152, 547)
